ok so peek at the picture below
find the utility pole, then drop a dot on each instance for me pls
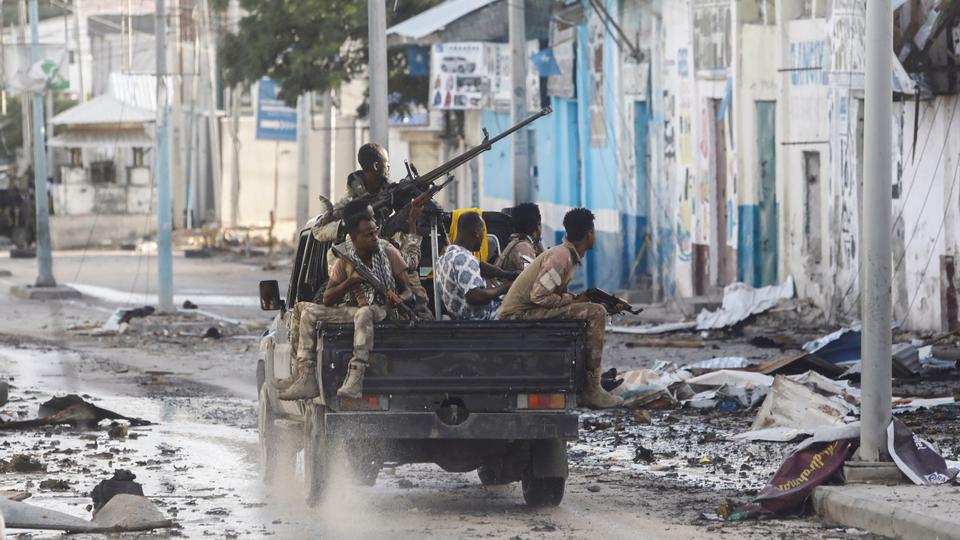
(79, 42)
(303, 157)
(516, 20)
(24, 96)
(326, 179)
(875, 228)
(235, 93)
(162, 170)
(44, 257)
(210, 41)
(377, 26)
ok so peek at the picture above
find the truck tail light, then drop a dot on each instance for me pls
(365, 403)
(541, 401)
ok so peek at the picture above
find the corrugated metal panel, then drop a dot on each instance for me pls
(104, 109)
(101, 139)
(436, 18)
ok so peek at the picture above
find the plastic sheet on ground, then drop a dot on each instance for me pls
(790, 404)
(740, 301)
(915, 457)
(722, 377)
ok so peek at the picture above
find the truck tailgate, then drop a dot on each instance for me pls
(460, 357)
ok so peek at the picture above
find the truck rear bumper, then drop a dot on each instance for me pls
(426, 425)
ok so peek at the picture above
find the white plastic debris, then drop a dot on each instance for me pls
(741, 301)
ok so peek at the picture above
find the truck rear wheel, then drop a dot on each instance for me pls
(277, 454)
(542, 491)
(317, 452)
(545, 477)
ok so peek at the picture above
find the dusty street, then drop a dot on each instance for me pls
(199, 460)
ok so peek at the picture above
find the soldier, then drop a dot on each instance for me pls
(372, 177)
(364, 306)
(524, 245)
(541, 293)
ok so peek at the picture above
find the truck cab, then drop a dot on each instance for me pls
(491, 396)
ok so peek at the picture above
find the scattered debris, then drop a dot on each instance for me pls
(189, 305)
(131, 513)
(643, 455)
(667, 343)
(727, 362)
(118, 432)
(740, 301)
(72, 410)
(4, 393)
(157, 377)
(792, 405)
(15, 495)
(915, 457)
(593, 488)
(122, 482)
(52, 484)
(654, 329)
(403, 483)
(213, 333)
(787, 492)
(22, 463)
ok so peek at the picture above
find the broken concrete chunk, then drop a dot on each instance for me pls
(126, 512)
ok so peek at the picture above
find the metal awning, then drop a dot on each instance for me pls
(434, 19)
(102, 139)
(103, 109)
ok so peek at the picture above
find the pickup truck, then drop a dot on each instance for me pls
(491, 396)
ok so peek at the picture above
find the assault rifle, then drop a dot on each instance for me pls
(396, 196)
(375, 282)
(612, 303)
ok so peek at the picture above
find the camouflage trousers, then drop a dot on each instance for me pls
(594, 314)
(420, 294)
(305, 321)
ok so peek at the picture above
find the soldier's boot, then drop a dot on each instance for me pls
(283, 384)
(352, 386)
(305, 387)
(595, 396)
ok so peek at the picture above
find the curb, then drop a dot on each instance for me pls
(834, 506)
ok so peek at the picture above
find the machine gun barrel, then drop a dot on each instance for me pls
(487, 143)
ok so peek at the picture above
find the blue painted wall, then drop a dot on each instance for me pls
(497, 167)
(749, 265)
(571, 172)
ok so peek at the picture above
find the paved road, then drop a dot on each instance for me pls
(199, 462)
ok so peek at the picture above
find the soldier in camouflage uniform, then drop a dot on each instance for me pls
(524, 245)
(363, 305)
(372, 177)
(541, 293)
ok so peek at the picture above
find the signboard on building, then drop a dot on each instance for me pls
(276, 121)
(563, 41)
(712, 24)
(476, 75)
